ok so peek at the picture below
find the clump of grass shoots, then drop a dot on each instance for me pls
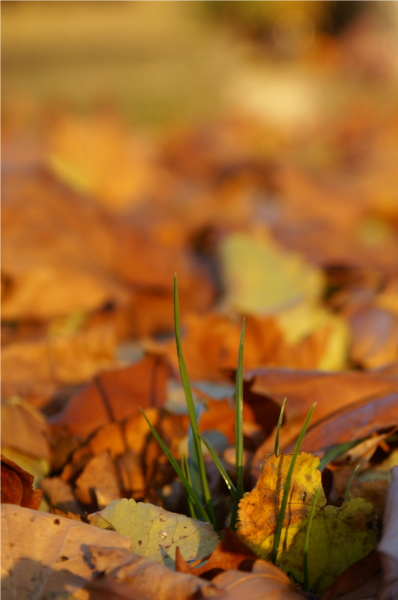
(192, 472)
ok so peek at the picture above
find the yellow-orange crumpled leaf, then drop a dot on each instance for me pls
(339, 536)
(258, 510)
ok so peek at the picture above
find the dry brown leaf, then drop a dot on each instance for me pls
(36, 369)
(113, 396)
(67, 515)
(230, 553)
(54, 264)
(98, 484)
(96, 154)
(374, 337)
(16, 486)
(357, 420)
(24, 429)
(265, 582)
(330, 391)
(60, 495)
(211, 343)
(49, 252)
(328, 232)
(141, 467)
(142, 578)
(220, 415)
(109, 588)
(33, 570)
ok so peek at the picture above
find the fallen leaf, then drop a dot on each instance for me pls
(60, 495)
(354, 527)
(259, 276)
(24, 428)
(308, 323)
(16, 486)
(113, 396)
(360, 580)
(38, 368)
(265, 582)
(32, 570)
(304, 387)
(388, 548)
(220, 416)
(330, 391)
(132, 577)
(99, 482)
(141, 579)
(230, 553)
(211, 343)
(360, 418)
(97, 155)
(128, 459)
(49, 252)
(373, 491)
(258, 510)
(374, 337)
(37, 467)
(155, 533)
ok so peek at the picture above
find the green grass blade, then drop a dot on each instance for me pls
(239, 430)
(193, 497)
(347, 492)
(220, 467)
(307, 541)
(185, 468)
(193, 461)
(278, 428)
(281, 516)
(191, 411)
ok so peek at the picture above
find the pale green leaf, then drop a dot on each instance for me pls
(155, 533)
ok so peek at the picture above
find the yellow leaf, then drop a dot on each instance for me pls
(301, 320)
(339, 536)
(260, 277)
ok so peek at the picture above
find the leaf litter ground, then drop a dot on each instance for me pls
(307, 252)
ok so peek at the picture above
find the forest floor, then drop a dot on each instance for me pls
(282, 209)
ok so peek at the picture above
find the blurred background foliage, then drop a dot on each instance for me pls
(168, 62)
